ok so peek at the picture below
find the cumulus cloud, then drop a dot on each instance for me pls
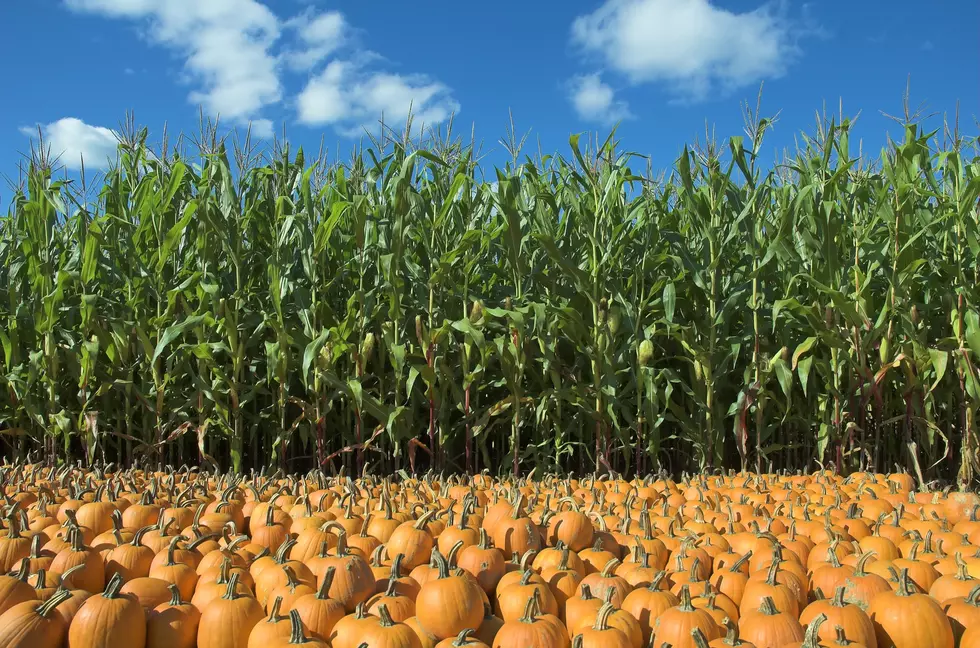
(349, 97)
(320, 37)
(596, 101)
(72, 140)
(691, 45)
(226, 46)
(235, 52)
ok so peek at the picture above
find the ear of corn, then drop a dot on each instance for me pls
(401, 310)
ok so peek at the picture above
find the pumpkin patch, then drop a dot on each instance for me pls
(224, 561)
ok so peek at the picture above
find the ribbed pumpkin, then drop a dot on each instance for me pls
(227, 621)
(148, 592)
(319, 612)
(464, 639)
(353, 581)
(785, 597)
(272, 627)
(109, 620)
(532, 630)
(15, 589)
(838, 612)
(297, 636)
(14, 547)
(515, 533)
(91, 576)
(347, 631)
(413, 541)
(450, 603)
(906, 619)
(483, 561)
(172, 624)
(400, 606)
(862, 586)
(33, 624)
(731, 579)
(384, 632)
(768, 627)
(648, 603)
(674, 626)
(963, 613)
(512, 598)
(601, 634)
(607, 580)
(131, 559)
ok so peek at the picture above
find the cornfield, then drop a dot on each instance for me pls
(409, 309)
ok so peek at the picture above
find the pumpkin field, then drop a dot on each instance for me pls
(177, 559)
(252, 398)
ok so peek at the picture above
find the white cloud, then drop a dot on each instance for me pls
(234, 52)
(348, 97)
(321, 36)
(226, 46)
(71, 140)
(596, 101)
(692, 45)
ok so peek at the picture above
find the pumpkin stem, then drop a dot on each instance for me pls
(283, 550)
(291, 581)
(768, 607)
(113, 587)
(386, 620)
(609, 569)
(700, 641)
(811, 637)
(231, 592)
(838, 599)
(463, 637)
(832, 554)
(862, 562)
(274, 615)
(440, 563)
(423, 520)
(773, 571)
(484, 539)
(685, 596)
(42, 580)
(905, 584)
(695, 569)
(731, 632)
(737, 565)
(961, 572)
(973, 598)
(658, 578)
(171, 549)
(175, 599)
(296, 635)
(453, 553)
(602, 619)
(587, 591)
(526, 576)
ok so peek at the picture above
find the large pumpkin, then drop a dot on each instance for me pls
(227, 621)
(109, 620)
(450, 603)
(33, 624)
(906, 619)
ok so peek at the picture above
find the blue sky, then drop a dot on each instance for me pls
(663, 68)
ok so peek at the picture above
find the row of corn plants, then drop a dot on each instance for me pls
(408, 308)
